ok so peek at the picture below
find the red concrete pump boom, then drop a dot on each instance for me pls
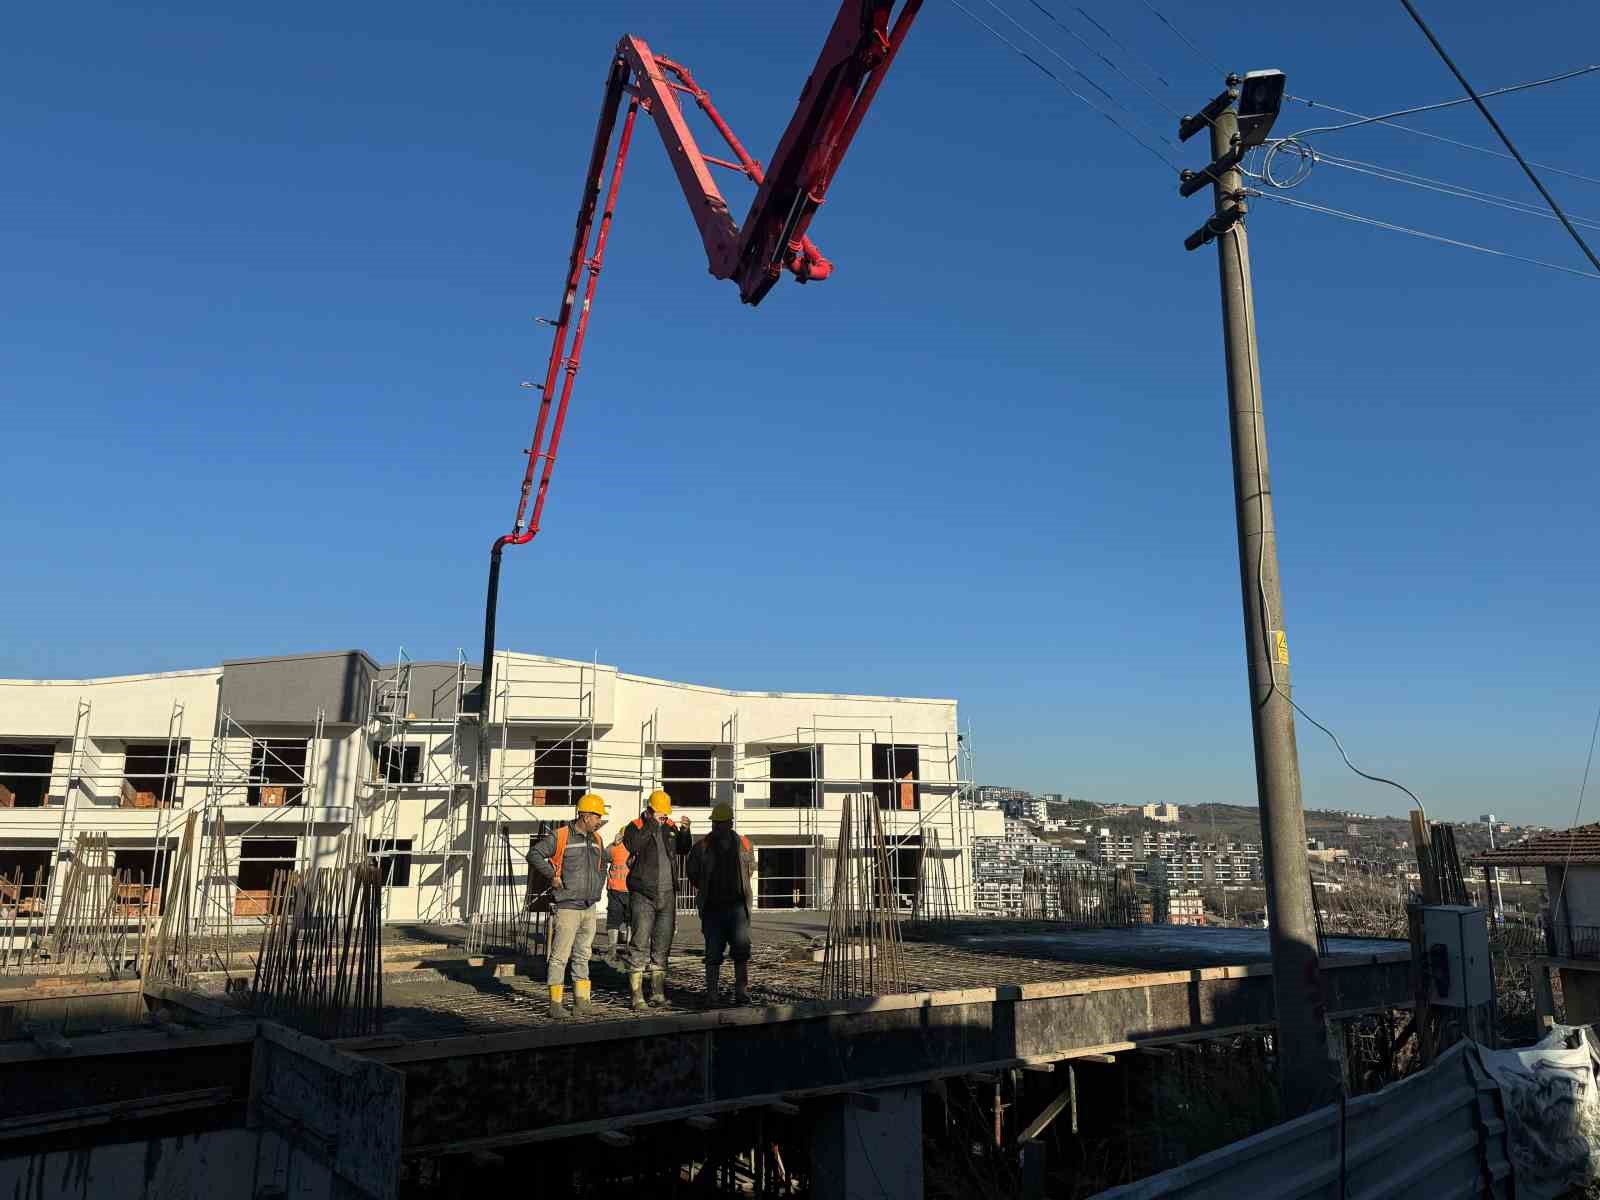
(855, 57)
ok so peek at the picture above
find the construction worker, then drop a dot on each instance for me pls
(617, 898)
(719, 867)
(575, 858)
(654, 843)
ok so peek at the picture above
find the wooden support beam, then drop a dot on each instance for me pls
(1155, 1051)
(864, 1100)
(1040, 1068)
(1052, 1110)
(701, 1122)
(614, 1138)
(1105, 1059)
(783, 1108)
(116, 1112)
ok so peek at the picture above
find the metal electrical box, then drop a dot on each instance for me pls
(1456, 955)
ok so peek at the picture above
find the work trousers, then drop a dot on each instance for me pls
(651, 937)
(571, 937)
(617, 910)
(727, 932)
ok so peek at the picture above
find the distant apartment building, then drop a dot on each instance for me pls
(1185, 860)
(1167, 814)
(1186, 908)
(998, 864)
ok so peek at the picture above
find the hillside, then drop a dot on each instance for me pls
(1242, 823)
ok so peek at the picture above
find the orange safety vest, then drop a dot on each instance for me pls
(558, 859)
(617, 872)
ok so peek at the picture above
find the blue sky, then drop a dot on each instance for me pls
(270, 281)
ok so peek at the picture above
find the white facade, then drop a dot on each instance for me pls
(309, 757)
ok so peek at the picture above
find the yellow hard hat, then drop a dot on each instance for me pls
(592, 804)
(660, 802)
(722, 812)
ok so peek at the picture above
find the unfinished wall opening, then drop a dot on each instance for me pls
(25, 769)
(399, 763)
(905, 862)
(262, 858)
(795, 777)
(24, 878)
(394, 856)
(686, 772)
(560, 770)
(277, 772)
(146, 877)
(782, 878)
(151, 769)
(895, 771)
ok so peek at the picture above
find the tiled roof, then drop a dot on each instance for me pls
(1580, 845)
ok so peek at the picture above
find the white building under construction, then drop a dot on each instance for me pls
(308, 760)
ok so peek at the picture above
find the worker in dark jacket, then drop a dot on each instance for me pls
(574, 857)
(654, 843)
(719, 867)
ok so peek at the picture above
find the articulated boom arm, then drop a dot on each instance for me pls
(857, 54)
(854, 59)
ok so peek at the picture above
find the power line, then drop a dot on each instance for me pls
(1133, 54)
(1437, 137)
(1184, 38)
(1444, 187)
(1072, 66)
(1419, 233)
(1063, 84)
(1421, 108)
(1583, 787)
(1501, 133)
(1088, 45)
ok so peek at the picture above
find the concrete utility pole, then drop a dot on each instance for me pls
(1307, 1074)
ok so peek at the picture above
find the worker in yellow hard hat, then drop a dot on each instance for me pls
(574, 858)
(719, 867)
(655, 843)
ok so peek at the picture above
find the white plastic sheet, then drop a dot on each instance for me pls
(1552, 1107)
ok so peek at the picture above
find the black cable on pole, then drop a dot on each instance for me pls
(1495, 125)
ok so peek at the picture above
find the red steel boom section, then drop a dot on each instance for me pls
(855, 57)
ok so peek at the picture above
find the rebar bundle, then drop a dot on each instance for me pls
(933, 900)
(103, 911)
(862, 954)
(214, 945)
(319, 968)
(1438, 862)
(1080, 895)
(506, 921)
(168, 952)
(21, 919)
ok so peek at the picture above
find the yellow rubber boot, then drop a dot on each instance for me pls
(582, 998)
(557, 1012)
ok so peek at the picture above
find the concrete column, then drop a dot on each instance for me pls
(861, 1154)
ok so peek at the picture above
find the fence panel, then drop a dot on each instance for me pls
(1440, 1133)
